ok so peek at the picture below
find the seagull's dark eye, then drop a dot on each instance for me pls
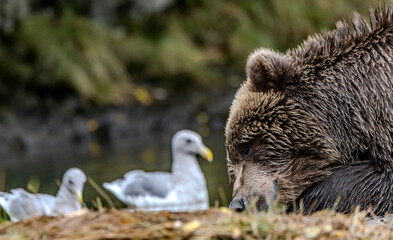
(188, 141)
(71, 182)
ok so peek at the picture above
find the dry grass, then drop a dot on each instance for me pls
(210, 224)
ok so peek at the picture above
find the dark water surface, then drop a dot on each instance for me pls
(151, 153)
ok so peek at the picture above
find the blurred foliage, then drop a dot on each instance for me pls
(86, 57)
(66, 48)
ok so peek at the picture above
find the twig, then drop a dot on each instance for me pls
(101, 192)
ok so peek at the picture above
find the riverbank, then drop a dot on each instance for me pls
(210, 224)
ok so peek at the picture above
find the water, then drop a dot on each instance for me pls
(44, 171)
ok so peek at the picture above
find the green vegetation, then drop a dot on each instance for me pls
(87, 57)
(194, 44)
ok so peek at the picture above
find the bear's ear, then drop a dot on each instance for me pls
(266, 70)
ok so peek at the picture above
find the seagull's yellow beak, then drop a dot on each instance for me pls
(206, 153)
(78, 194)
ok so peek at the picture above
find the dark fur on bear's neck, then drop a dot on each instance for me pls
(353, 185)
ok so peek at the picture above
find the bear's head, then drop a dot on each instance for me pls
(276, 148)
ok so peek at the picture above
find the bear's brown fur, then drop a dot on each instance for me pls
(358, 184)
(303, 114)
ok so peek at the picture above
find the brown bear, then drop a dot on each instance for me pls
(317, 122)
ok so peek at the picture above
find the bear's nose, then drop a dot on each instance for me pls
(238, 203)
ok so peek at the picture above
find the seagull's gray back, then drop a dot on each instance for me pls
(23, 205)
(149, 183)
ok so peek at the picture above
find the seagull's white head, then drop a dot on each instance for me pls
(190, 142)
(74, 180)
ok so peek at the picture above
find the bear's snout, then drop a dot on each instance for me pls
(256, 204)
(238, 204)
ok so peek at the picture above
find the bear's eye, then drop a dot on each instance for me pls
(247, 151)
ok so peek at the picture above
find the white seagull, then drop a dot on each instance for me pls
(183, 189)
(20, 204)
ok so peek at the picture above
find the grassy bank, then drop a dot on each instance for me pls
(210, 224)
